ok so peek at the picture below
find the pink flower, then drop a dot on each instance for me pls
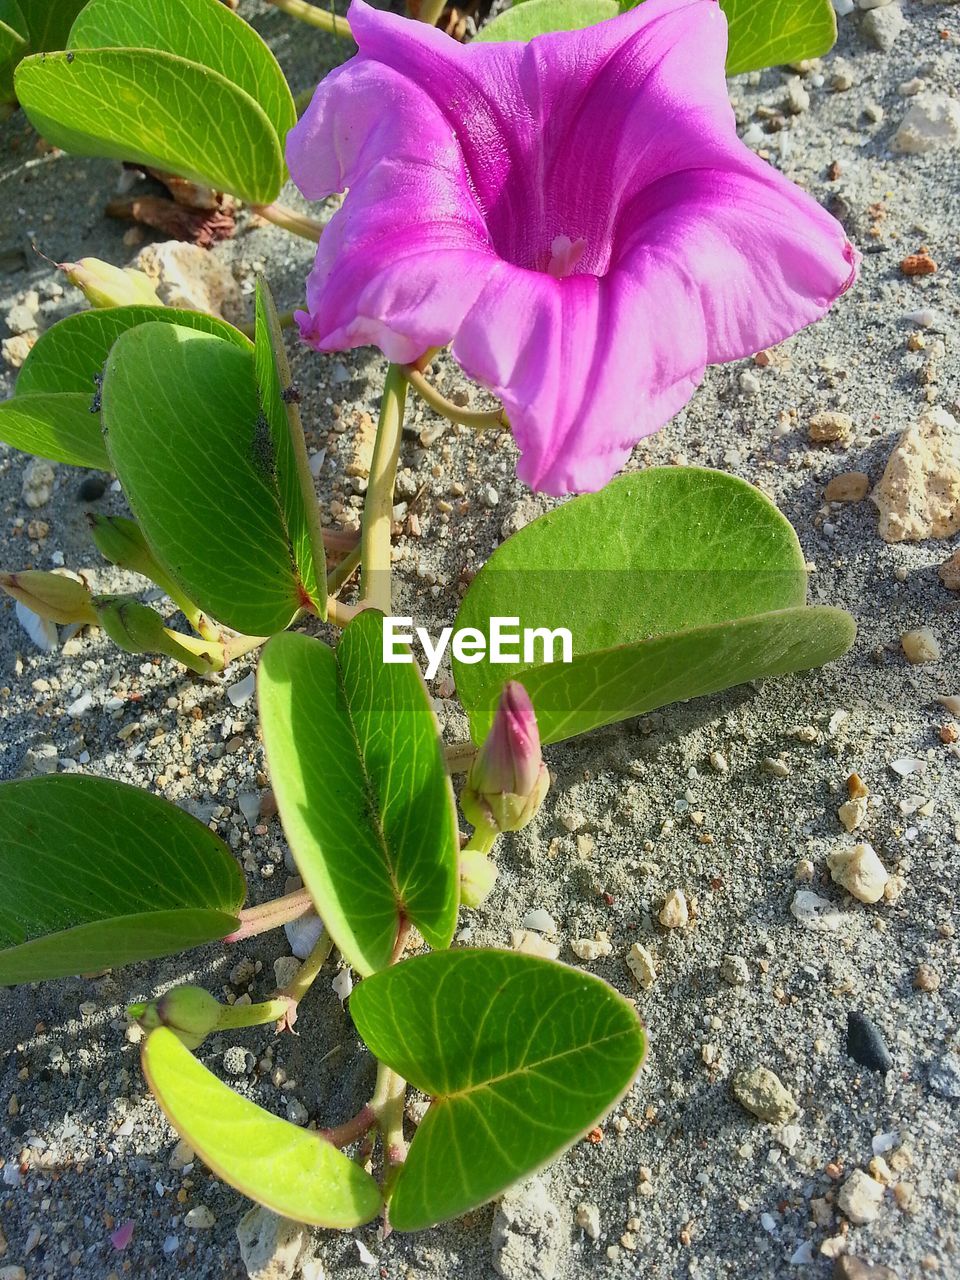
(576, 215)
(508, 780)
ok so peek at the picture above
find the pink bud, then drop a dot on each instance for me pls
(508, 780)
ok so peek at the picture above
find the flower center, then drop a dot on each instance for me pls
(565, 255)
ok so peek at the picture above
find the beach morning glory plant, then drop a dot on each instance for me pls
(576, 217)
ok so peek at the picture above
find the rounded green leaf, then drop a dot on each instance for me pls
(520, 1055)
(13, 45)
(157, 109)
(189, 444)
(49, 21)
(766, 33)
(95, 873)
(71, 354)
(365, 800)
(60, 426)
(206, 32)
(292, 1171)
(522, 22)
(673, 582)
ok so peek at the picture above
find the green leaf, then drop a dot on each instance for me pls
(520, 1055)
(532, 18)
(766, 33)
(58, 426)
(673, 582)
(366, 804)
(157, 109)
(72, 353)
(201, 31)
(95, 873)
(292, 1171)
(51, 413)
(297, 496)
(13, 45)
(49, 22)
(186, 438)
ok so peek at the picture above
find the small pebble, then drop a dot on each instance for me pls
(926, 978)
(735, 970)
(762, 1092)
(943, 1076)
(200, 1218)
(588, 1220)
(851, 486)
(859, 871)
(860, 1198)
(920, 646)
(866, 1045)
(824, 428)
(675, 914)
(641, 964)
(235, 1060)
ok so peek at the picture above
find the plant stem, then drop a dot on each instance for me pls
(480, 421)
(387, 1105)
(342, 1135)
(297, 224)
(341, 572)
(431, 11)
(378, 506)
(459, 756)
(309, 971)
(340, 614)
(482, 840)
(315, 17)
(252, 1015)
(271, 915)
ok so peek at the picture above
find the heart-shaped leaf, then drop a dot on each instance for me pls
(523, 21)
(297, 496)
(520, 1055)
(60, 426)
(292, 1171)
(765, 33)
(672, 583)
(157, 109)
(95, 873)
(72, 353)
(366, 804)
(193, 452)
(53, 413)
(205, 32)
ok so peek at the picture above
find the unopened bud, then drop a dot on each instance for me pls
(190, 1012)
(104, 285)
(58, 597)
(136, 628)
(122, 543)
(478, 875)
(508, 780)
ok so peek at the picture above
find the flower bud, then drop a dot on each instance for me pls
(58, 597)
(190, 1012)
(508, 780)
(104, 285)
(136, 628)
(478, 875)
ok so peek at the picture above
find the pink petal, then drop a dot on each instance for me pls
(576, 214)
(584, 367)
(122, 1236)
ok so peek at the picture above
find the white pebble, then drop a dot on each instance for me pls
(859, 871)
(674, 914)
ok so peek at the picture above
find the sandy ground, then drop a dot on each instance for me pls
(685, 1181)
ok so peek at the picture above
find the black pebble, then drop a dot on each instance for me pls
(92, 488)
(866, 1045)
